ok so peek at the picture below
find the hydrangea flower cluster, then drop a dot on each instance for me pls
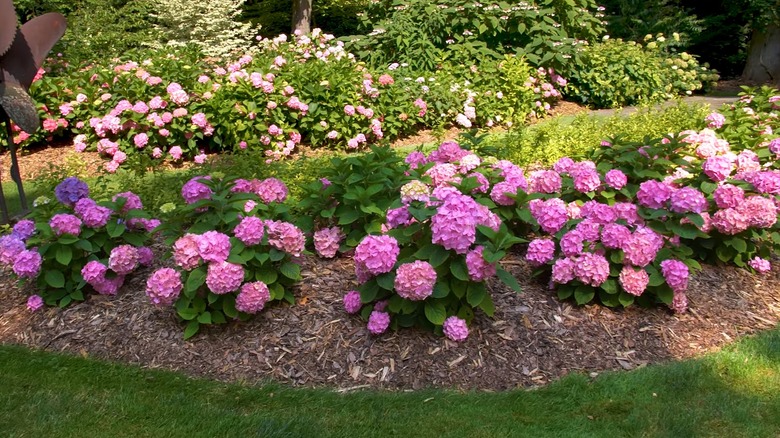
(415, 281)
(327, 241)
(375, 255)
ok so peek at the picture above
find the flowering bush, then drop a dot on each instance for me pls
(74, 243)
(438, 247)
(231, 255)
(160, 105)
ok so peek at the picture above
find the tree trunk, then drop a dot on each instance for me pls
(301, 17)
(763, 62)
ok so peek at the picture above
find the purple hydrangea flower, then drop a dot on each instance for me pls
(378, 322)
(70, 190)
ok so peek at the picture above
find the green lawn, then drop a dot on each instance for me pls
(733, 393)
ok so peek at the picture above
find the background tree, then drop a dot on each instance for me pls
(301, 16)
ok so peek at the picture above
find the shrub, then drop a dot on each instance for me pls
(74, 244)
(542, 144)
(425, 33)
(615, 73)
(439, 246)
(231, 251)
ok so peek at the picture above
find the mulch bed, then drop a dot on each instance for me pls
(532, 340)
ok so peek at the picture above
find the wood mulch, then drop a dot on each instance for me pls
(532, 340)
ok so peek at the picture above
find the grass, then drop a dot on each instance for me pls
(734, 393)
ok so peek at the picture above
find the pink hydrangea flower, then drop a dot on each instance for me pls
(676, 274)
(563, 165)
(761, 212)
(718, 168)
(24, 229)
(454, 224)
(352, 303)
(563, 270)
(730, 221)
(123, 259)
(455, 329)
(109, 286)
(224, 277)
(253, 297)
(540, 251)
(132, 201)
(586, 179)
(476, 265)
(642, 246)
(592, 269)
(378, 322)
(27, 263)
(34, 303)
(64, 223)
(679, 302)
(327, 241)
(376, 254)
(572, 243)
(271, 190)
(415, 281)
(186, 253)
(728, 196)
(628, 212)
(653, 194)
(250, 230)
(500, 194)
(164, 287)
(213, 246)
(616, 179)
(545, 181)
(633, 281)
(688, 200)
(141, 140)
(760, 265)
(286, 237)
(194, 190)
(613, 235)
(397, 217)
(93, 271)
(550, 214)
(176, 152)
(715, 120)
(145, 256)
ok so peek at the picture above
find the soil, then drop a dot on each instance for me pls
(533, 338)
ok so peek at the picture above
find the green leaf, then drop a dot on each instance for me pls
(439, 256)
(459, 270)
(435, 312)
(475, 294)
(64, 255)
(349, 216)
(386, 281)
(291, 270)
(115, 229)
(626, 299)
(584, 294)
(196, 279)
(267, 275)
(204, 318)
(739, 244)
(487, 306)
(441, 289)
(55, 279)
(368, 291)
(508, 279)
(192, 329)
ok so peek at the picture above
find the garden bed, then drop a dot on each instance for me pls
(533, 339)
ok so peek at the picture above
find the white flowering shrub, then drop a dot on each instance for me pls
(213, 26)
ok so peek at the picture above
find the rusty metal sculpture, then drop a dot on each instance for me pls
(22, 51)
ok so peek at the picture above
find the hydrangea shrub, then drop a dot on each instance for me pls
(437, 249)
(231, 255)
(74, 244)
